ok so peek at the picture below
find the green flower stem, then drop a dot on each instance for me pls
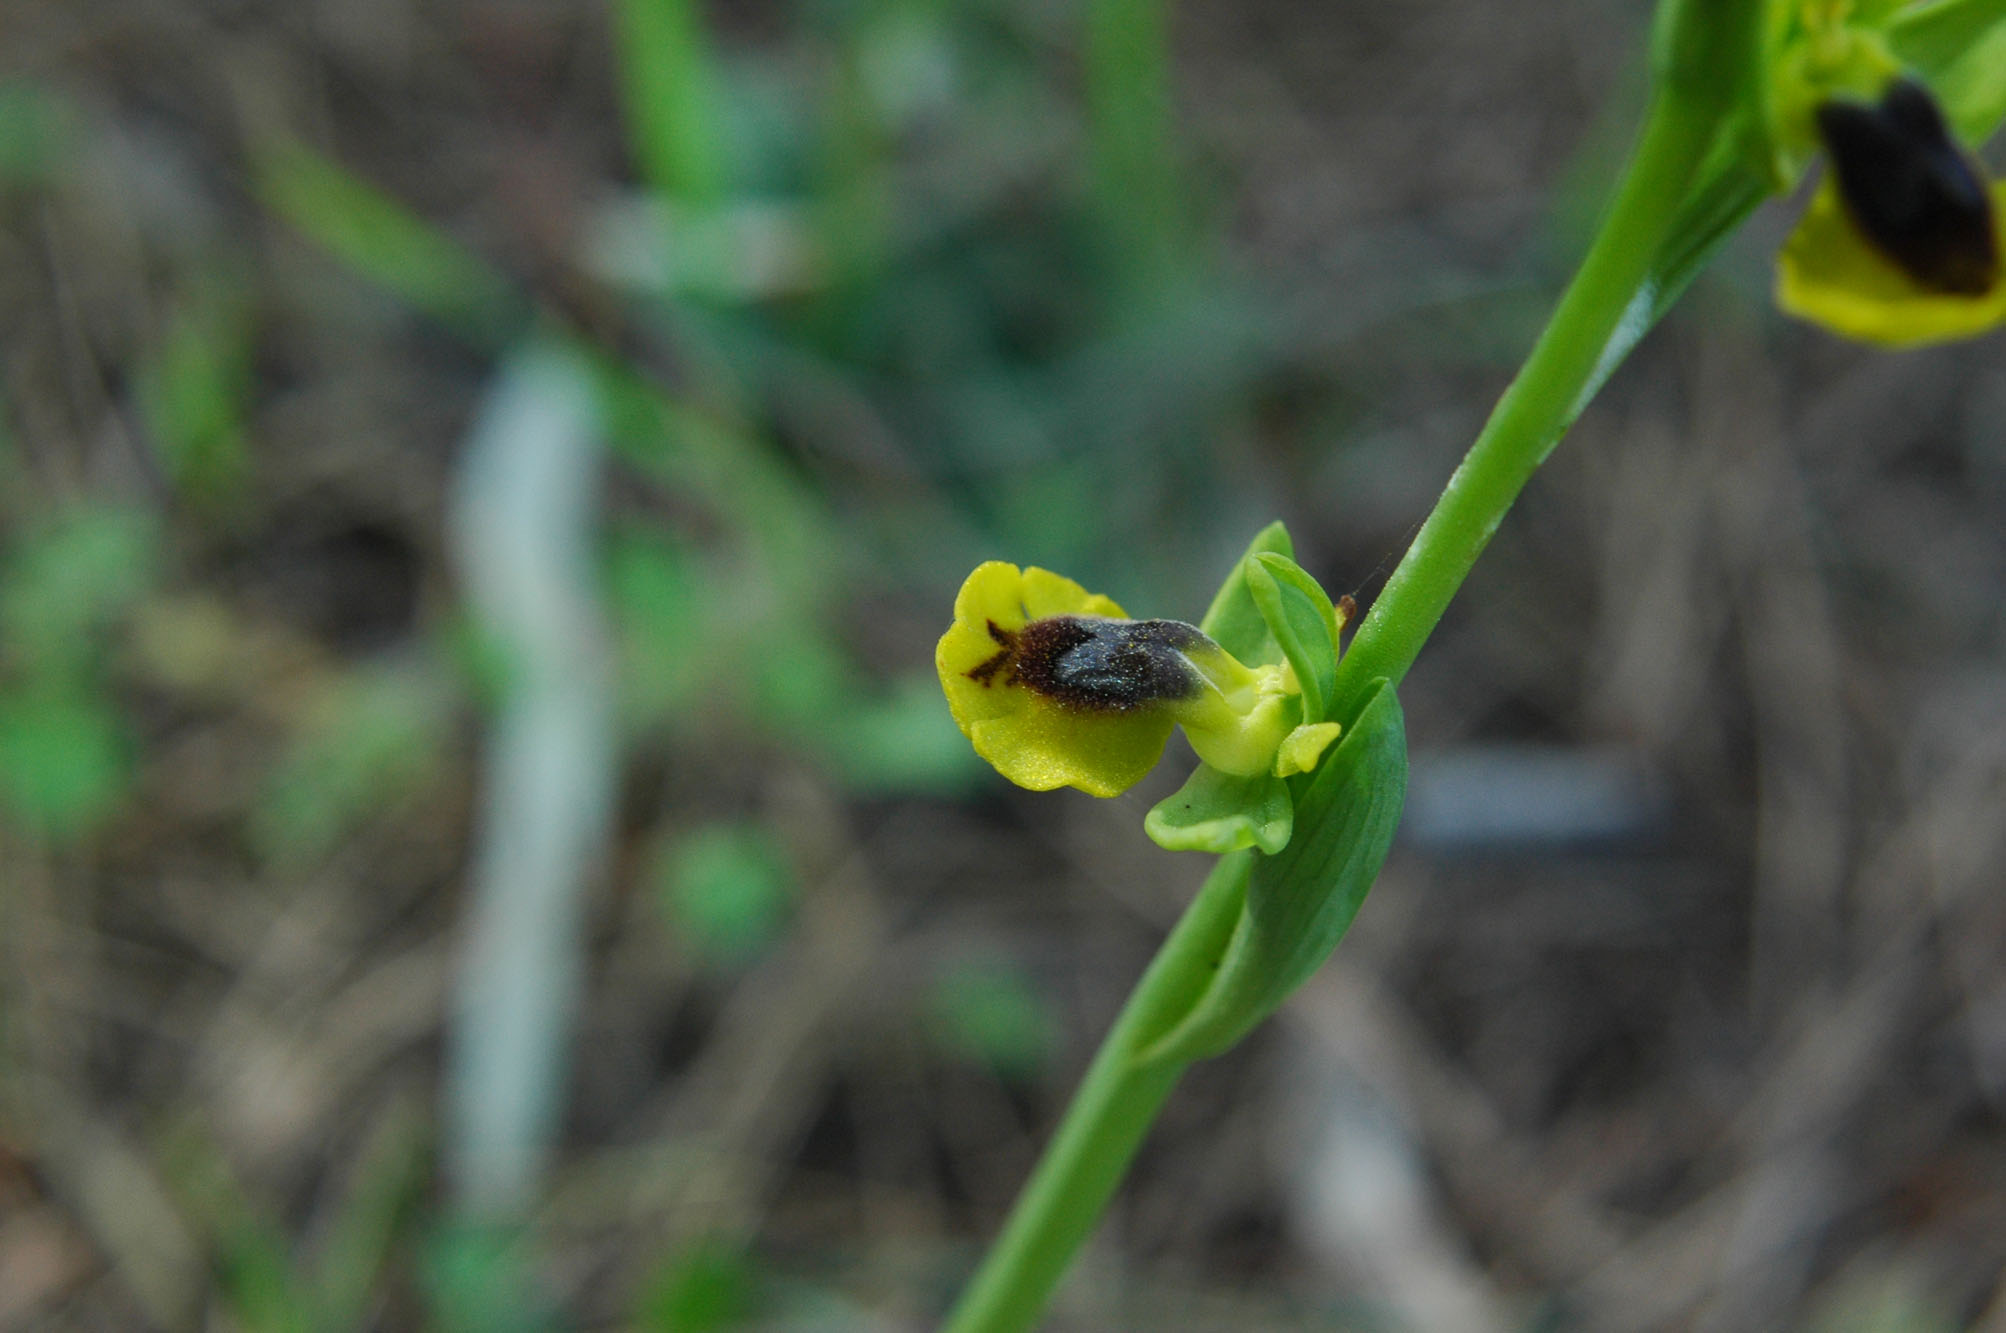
(1116, 1103)
(1565, 367)
(1120, 1095)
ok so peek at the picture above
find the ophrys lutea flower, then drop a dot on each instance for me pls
(1901, 243)
(1057, 687)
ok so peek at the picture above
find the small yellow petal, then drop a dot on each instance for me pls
(1303, 747)
(1829, 275)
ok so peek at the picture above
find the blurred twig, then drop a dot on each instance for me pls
(521, 527)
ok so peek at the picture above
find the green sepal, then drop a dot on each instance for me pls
(1219, 812)
(1958, 48)
(1300, 902)
(1233, 621)
(1302, 620)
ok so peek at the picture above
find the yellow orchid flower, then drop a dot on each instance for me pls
(1901, 243)
(1056, 687)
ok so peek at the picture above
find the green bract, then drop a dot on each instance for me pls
(1268, 612)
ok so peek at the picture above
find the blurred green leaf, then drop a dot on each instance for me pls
(1133, 145)
(37, 130)
(727, 889)
(658, 599)
(800, 678)
(903, 741)
(63, 759)
(702, 1290)
(670, 85)
(194, 391)
(389, 1177)
(68, 580)
(992, 1013)
(477, 1279)
(255, 1272)
(388, 243)
(369, 741)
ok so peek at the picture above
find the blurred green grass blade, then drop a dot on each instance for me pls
(661, 602)
(370, 740)
(37, 130)
(759, 498)
(1133, 139)
(255, 1273)
(670, 85)
(707, 1288)
(193, 393)
(388, 1179)
(386, 242)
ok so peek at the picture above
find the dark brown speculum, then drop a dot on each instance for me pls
(1096, 664)
(1915, 195)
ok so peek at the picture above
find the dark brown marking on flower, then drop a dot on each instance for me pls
(1097, 664)
(1913, 192)
(989, 668)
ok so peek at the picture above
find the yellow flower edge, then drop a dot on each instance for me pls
(1829, 275)
(1031, 740)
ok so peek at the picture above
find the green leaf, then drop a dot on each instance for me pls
(1301, 901)
(1220, 812)
(1300, 616)
(1233, 621)
(1958, 47)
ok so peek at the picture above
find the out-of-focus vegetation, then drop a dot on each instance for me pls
(854, 295)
